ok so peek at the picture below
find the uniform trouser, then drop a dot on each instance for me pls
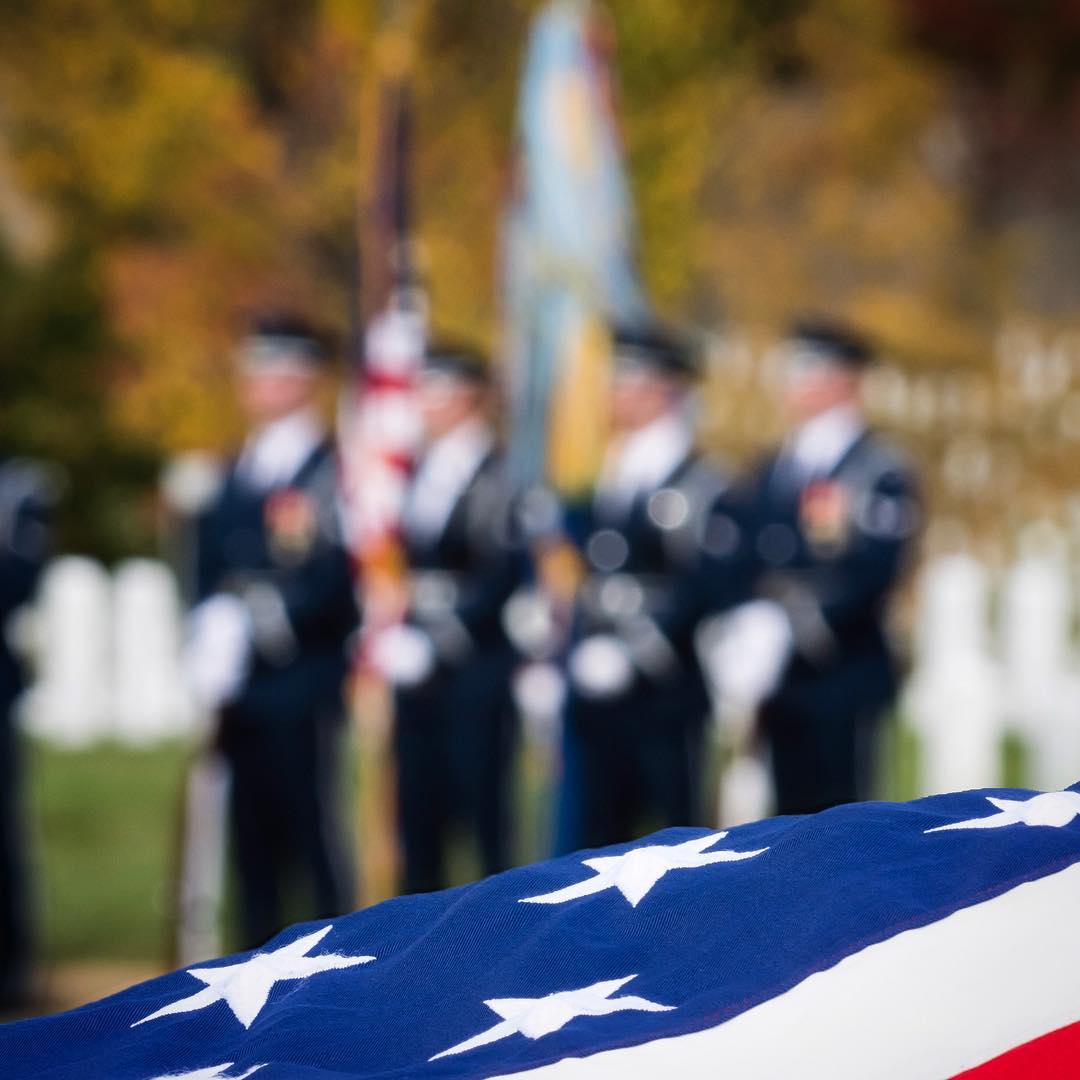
(285, 820)
(638, 766)
(822, 756)
(454, 740)
(15, 945)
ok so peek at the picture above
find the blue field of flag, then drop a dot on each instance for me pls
(671, 934)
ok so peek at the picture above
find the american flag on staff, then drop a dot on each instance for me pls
(928, 939)
(379, 423)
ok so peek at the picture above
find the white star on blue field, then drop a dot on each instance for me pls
(635, 872)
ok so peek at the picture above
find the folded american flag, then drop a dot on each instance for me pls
(875, 940)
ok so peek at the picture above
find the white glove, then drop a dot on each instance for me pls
(218, 653)
(539, 691)
(404, 655)
(601, 667)
(747, 658)
(529, 622)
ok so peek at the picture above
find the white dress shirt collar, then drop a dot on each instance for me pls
(446, 469)
(819, 445)
(644, 459)
(273, 455)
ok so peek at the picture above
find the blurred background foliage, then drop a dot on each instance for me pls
(167, 165)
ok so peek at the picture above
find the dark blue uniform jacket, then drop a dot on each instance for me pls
(282, 550)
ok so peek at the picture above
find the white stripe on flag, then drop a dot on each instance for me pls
(929, 1002)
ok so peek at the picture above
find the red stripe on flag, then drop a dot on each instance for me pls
(1056, 1054)
(384, 380)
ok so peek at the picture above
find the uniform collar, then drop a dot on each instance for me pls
(274, 455)
(445, 471)
(818, 446)
(465, 445)
(645, 459)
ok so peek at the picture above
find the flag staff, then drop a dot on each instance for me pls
(379, 429)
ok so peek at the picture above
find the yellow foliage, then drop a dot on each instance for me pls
(215, 161)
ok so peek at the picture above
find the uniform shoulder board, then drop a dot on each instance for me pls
(877, 460)
(320, 484)
(322, 476)
(24, 481)
(28, 490)
(885, 505)
(719, 530)
(682, 509)
(492, 518)
(707, 476)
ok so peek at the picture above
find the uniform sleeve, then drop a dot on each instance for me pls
(209, 568)
(480, 610)
(499, 565)
(25, 539)
(711, 582)
(710, 578)
(724, 573)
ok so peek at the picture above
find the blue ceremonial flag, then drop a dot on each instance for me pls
(568, 248)
(872, 940)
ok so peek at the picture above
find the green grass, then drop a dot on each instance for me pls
(105, 823)
(105, 826)
(1014, 761)
(106, 829)
(898, 764)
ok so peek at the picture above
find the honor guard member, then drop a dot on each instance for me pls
(638, 704)
(269, 648)
(25, 497)
(828, 521)
(449, 661)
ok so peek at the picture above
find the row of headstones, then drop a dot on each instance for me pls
(1032, 370)
(993, 665)
(105, 654)
(994, 660)
(1031, 395)
(990, 659)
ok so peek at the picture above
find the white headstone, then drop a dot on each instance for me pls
(953, 700)
(151, 698)
(71, 701)
(1042, 698)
